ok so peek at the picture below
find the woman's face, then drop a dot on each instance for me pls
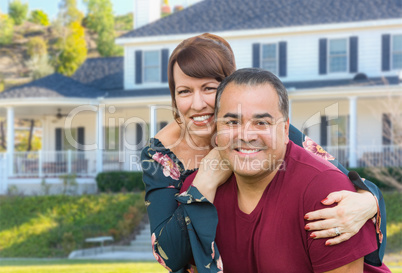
(195, 100)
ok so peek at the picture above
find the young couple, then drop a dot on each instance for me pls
(265, 209)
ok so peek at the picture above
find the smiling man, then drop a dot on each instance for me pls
(261, 207)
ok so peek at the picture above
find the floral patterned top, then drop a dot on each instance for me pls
(183, 225)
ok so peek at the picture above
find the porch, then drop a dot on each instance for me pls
(29, 169)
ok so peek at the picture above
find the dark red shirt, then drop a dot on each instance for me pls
(272, 237)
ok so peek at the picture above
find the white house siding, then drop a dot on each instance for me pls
(303, 57)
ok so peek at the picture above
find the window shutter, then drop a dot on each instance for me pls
(162, 124)
(282, 59)
(139, 132)
(353, 59)
(81, 137)
(386, 52)
(138, 66)
(59, 139)
(386, 129)
(323, 131)
(322, 56)
(256, 55)
(165, 60)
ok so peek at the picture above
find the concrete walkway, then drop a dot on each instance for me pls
(140, 249)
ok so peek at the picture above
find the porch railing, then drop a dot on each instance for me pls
(369, 156)
(81, 163)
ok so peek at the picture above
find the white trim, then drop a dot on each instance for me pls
(353, 132)
(369, 25)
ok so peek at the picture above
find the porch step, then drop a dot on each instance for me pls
(139, 249)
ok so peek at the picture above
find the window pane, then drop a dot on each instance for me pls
(66, 140)
(270, 66)
(397, 43)
(337, 64)
(151, 58)
(151, 74)
(112, 138)
(269, 59)
(337, 46)
(269, 51)
(337, 55)
(397, 52)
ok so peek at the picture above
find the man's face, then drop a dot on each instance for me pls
(251, 131)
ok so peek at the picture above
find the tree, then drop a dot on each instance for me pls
(39, 17)
(100, 20)
(69, 12)
(18, 11)
(6, 29)
(73, 50)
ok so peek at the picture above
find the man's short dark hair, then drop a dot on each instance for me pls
(255, 77)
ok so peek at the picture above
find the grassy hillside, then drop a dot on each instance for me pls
(53, 226)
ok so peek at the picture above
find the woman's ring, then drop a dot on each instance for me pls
(337, 232)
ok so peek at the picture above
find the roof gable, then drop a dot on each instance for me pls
(227, 15)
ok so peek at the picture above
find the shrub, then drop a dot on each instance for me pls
(36, 46)
(39, 66)
(18, 11)
(39, 17)
(6, 29)
(119, 181)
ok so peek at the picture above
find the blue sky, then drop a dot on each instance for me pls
(51, 6)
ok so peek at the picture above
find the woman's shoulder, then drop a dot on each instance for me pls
(162, 142)
(169, 134)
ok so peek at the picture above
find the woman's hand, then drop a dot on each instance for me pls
(351, 213)
(212, 173)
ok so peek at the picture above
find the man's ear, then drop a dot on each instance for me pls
(287, 132)
(216, 140)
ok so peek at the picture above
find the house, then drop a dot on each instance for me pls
(341, 62)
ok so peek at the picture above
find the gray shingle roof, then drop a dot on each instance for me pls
(102, 73)
(226, 15)
(52, 86)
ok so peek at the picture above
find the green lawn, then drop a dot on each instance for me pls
(78, 266)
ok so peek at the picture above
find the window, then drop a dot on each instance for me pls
(338, 131)
(112, 138)
(66, 145)
(397, 52)
(151, 66)
(269, 60)
(338, 55)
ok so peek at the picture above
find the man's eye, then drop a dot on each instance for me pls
(232, 122)
(210, 88)
(263, 123)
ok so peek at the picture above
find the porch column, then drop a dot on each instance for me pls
(100, 138)
(10, 140)
(352, 132)
(152, 122)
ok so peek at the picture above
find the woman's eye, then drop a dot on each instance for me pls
(210, 88)
(183, 91)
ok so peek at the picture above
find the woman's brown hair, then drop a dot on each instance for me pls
(202, 56)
